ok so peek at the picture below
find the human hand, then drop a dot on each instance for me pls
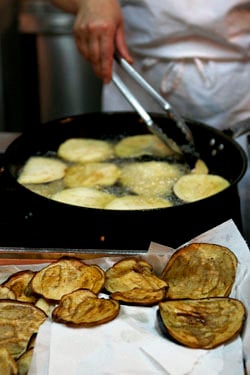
(99, 31)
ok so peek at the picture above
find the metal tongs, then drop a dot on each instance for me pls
(187, 149)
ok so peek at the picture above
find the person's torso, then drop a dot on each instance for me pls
(188, 28)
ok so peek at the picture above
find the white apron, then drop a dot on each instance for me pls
(196, 53)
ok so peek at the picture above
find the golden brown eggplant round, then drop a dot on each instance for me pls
(41, 169)
(130, 273)
(8, 365)
(137, 202)
(141, 144)
(18, 282)
(151, 178)
(23, 363)
(193, 187)
(200, 270)
(18, 322)
(204, 323)
(83, 308)
(64, 276)
(140, 296)
(6, 293)
(83, 150)
(91, 174)
(84, 197)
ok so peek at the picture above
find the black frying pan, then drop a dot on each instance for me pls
(87, 228)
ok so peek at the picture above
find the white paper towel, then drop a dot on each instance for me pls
(132, 344)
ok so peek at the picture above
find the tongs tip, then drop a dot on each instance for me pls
(187, 150)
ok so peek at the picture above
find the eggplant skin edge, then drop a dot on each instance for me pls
(169, 333)
(163, 329)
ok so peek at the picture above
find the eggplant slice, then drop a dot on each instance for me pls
(200, 270)
(204, 323)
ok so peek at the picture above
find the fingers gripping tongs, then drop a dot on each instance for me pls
(187, 149)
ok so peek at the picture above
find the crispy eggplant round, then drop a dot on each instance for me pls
(64, 276)
(202, 324)
(129, 273)
(140, 296)
(83, 308)
(7, 363)
(19, 284)
(200, 270)
(18, 322)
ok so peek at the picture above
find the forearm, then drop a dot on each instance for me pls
(99, 31)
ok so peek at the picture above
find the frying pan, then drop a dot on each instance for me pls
(89, 228)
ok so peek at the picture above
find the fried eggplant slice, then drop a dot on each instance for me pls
(23, 363)
(200, 270)
(84, 197)
(153, 178)
(46, 189)
(40, 169)
(19, 284)
(6, 293)
(8, 365)
(83, 150)
(130, 273)
(140, 296)
(204, 323)
(137, 202)
(91, 174)
(193, 187)
(64, 276)
(18, 322)
(200, 167)
(44, 305)
(140, 145)
(83, 308)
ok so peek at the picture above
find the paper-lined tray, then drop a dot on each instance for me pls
(132, 343)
